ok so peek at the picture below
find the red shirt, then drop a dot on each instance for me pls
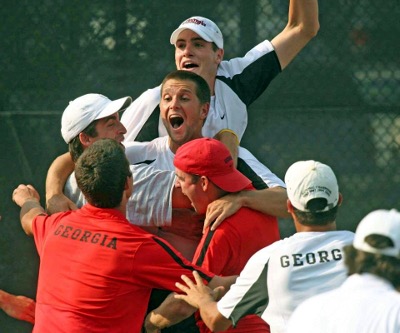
(226, 251)
(97, 271)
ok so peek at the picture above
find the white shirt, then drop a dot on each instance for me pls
(150, 203)
(239, 82)
(362, 304)
(159, 155)
(279, 277)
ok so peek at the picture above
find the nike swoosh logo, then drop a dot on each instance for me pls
(222, 117)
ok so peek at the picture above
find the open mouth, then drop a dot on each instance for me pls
(176, 121)
(189, 65)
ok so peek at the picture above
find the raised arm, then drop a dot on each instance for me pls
(302, 26)
(271, 201)
(28, 199)
(18, 307)
(57, 176)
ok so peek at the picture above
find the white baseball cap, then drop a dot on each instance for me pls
(202, 26)
(83, 110)
(381, 222)
(306, 180)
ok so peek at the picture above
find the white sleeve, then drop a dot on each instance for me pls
(249, 293)
(235, 66)
(136, 115)
(151, 201)
(260, 169)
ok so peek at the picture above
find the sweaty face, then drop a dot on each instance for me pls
(193, 191)
(110, 128)
(181, 112)
(193, 53)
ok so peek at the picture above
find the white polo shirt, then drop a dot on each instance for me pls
(362, 304)
(279, 277)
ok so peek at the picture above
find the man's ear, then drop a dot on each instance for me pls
(128, 187)
(340, 199)
(220, 55)
(289, 206)
(205, 183)
(204, 110)
(85, 139)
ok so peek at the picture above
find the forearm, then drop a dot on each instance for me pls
(18, 307)
(214, 320)
(26, 197)
(29, 210)
(303, 14)
(4, 296)
(231, 141)
(302, 26)
(58, 174)
(271, 201)
(169, 313)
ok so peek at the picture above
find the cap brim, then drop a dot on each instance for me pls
(175, 34)
(231, 182)
(115, 106)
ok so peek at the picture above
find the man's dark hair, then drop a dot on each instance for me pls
(101, 173)
(75, 146)
(202, 89)
(386, 267)
(315, 216)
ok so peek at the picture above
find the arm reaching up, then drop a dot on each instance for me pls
(302, 26)
(57, 175)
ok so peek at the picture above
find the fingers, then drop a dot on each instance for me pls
(212, 213)
(189, 283)
(198, 279)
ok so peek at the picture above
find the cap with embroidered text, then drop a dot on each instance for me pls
(306, 180)
(202, 26)
(209, 157)
(379, 222)
(85, 109)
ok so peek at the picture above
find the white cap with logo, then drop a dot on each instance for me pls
(306, 180)
(202, 26)
(379, 222)
(83, 110)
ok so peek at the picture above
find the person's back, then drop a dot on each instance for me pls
(89, 257)
(369, 300)
(303, 265)
(364, 303)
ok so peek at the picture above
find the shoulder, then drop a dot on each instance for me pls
(231, 67)
(153, 93)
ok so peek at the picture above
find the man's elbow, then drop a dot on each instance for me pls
(310, 31)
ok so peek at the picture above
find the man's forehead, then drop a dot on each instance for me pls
(175, 86)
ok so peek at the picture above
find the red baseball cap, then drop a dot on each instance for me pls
(210, 158)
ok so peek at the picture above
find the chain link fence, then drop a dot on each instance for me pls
(338, 102)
